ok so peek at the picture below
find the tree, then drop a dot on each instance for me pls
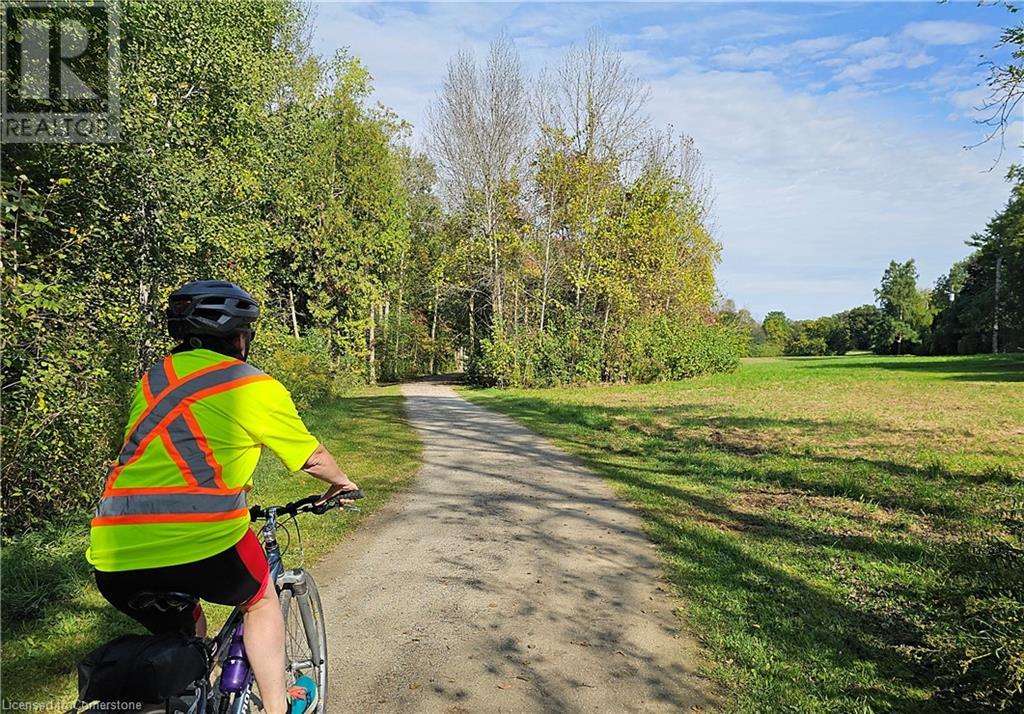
(862, 324)
(743, 322)
(904, 308)
(478, 138)
(776, 326)
(965, 299)
(823, 336)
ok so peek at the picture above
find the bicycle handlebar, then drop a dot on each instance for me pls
(305, 505)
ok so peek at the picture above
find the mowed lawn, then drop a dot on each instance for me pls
(52, 613)
(845, 533)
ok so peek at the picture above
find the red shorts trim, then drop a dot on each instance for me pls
(250, 552)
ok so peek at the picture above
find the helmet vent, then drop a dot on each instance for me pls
(180, 307)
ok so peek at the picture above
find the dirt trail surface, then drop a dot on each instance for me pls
(507, 579)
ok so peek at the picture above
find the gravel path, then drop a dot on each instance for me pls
(507, 579)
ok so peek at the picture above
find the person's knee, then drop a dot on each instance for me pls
(267, 600)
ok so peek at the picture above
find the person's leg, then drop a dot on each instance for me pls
(264, 646)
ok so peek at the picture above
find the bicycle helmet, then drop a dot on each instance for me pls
(215, 308)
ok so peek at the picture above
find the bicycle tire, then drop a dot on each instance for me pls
(297, 636)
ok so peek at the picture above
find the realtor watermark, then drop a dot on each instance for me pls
(61, 71)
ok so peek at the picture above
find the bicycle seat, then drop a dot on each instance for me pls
(163, 601)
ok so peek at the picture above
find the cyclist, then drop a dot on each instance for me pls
(173, 514)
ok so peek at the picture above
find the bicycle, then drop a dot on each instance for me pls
(231, 691)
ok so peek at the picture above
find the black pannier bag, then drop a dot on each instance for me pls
(142, 668)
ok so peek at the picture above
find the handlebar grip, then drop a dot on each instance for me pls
(333, 502)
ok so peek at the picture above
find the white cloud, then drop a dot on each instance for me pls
(947, 32)
(739, 25)
(871, 46)
(763, 56)
(870, 66)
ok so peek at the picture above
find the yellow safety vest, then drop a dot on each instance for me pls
(177, 491)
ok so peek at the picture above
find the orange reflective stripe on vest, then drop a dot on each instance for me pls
(167, 416)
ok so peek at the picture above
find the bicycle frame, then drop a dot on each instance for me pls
(210, 693)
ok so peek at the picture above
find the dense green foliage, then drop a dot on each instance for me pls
(964, 300)
(824, 336)
(853, 542)
(242, 158)
(904, 309)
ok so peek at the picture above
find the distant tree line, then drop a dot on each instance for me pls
(978, 306)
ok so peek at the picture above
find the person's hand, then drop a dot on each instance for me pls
(337, 488)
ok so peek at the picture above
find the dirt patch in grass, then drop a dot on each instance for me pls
(738, 441)
(840, 516)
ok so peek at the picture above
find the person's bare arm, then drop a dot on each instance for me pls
(322, 465)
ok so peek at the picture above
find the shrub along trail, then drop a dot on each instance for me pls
(508, 578)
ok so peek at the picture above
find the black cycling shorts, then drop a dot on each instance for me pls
(236, 576)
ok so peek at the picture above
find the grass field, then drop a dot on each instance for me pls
(845, 533)
(52, 612)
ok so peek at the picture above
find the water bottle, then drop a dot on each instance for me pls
(236, 665)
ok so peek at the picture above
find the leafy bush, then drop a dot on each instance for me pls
(495, 363)
(765, 349)
(824, 336)
(305, 366)
(660, 349)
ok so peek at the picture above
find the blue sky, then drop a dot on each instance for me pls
(834, 132)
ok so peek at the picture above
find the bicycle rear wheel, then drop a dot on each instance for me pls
(305, 632)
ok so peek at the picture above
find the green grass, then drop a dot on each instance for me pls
(845, 533)
(53, 613)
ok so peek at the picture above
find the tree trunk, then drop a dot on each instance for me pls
(995, 306)
(579, 281)
(371, 340)
(472, 323)
(398, 314)
(147, 279)
(385, 323)
(544, 280)
(604, 327)
(547, 259)
(496, 302)
(433, 330)
(295, 321)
